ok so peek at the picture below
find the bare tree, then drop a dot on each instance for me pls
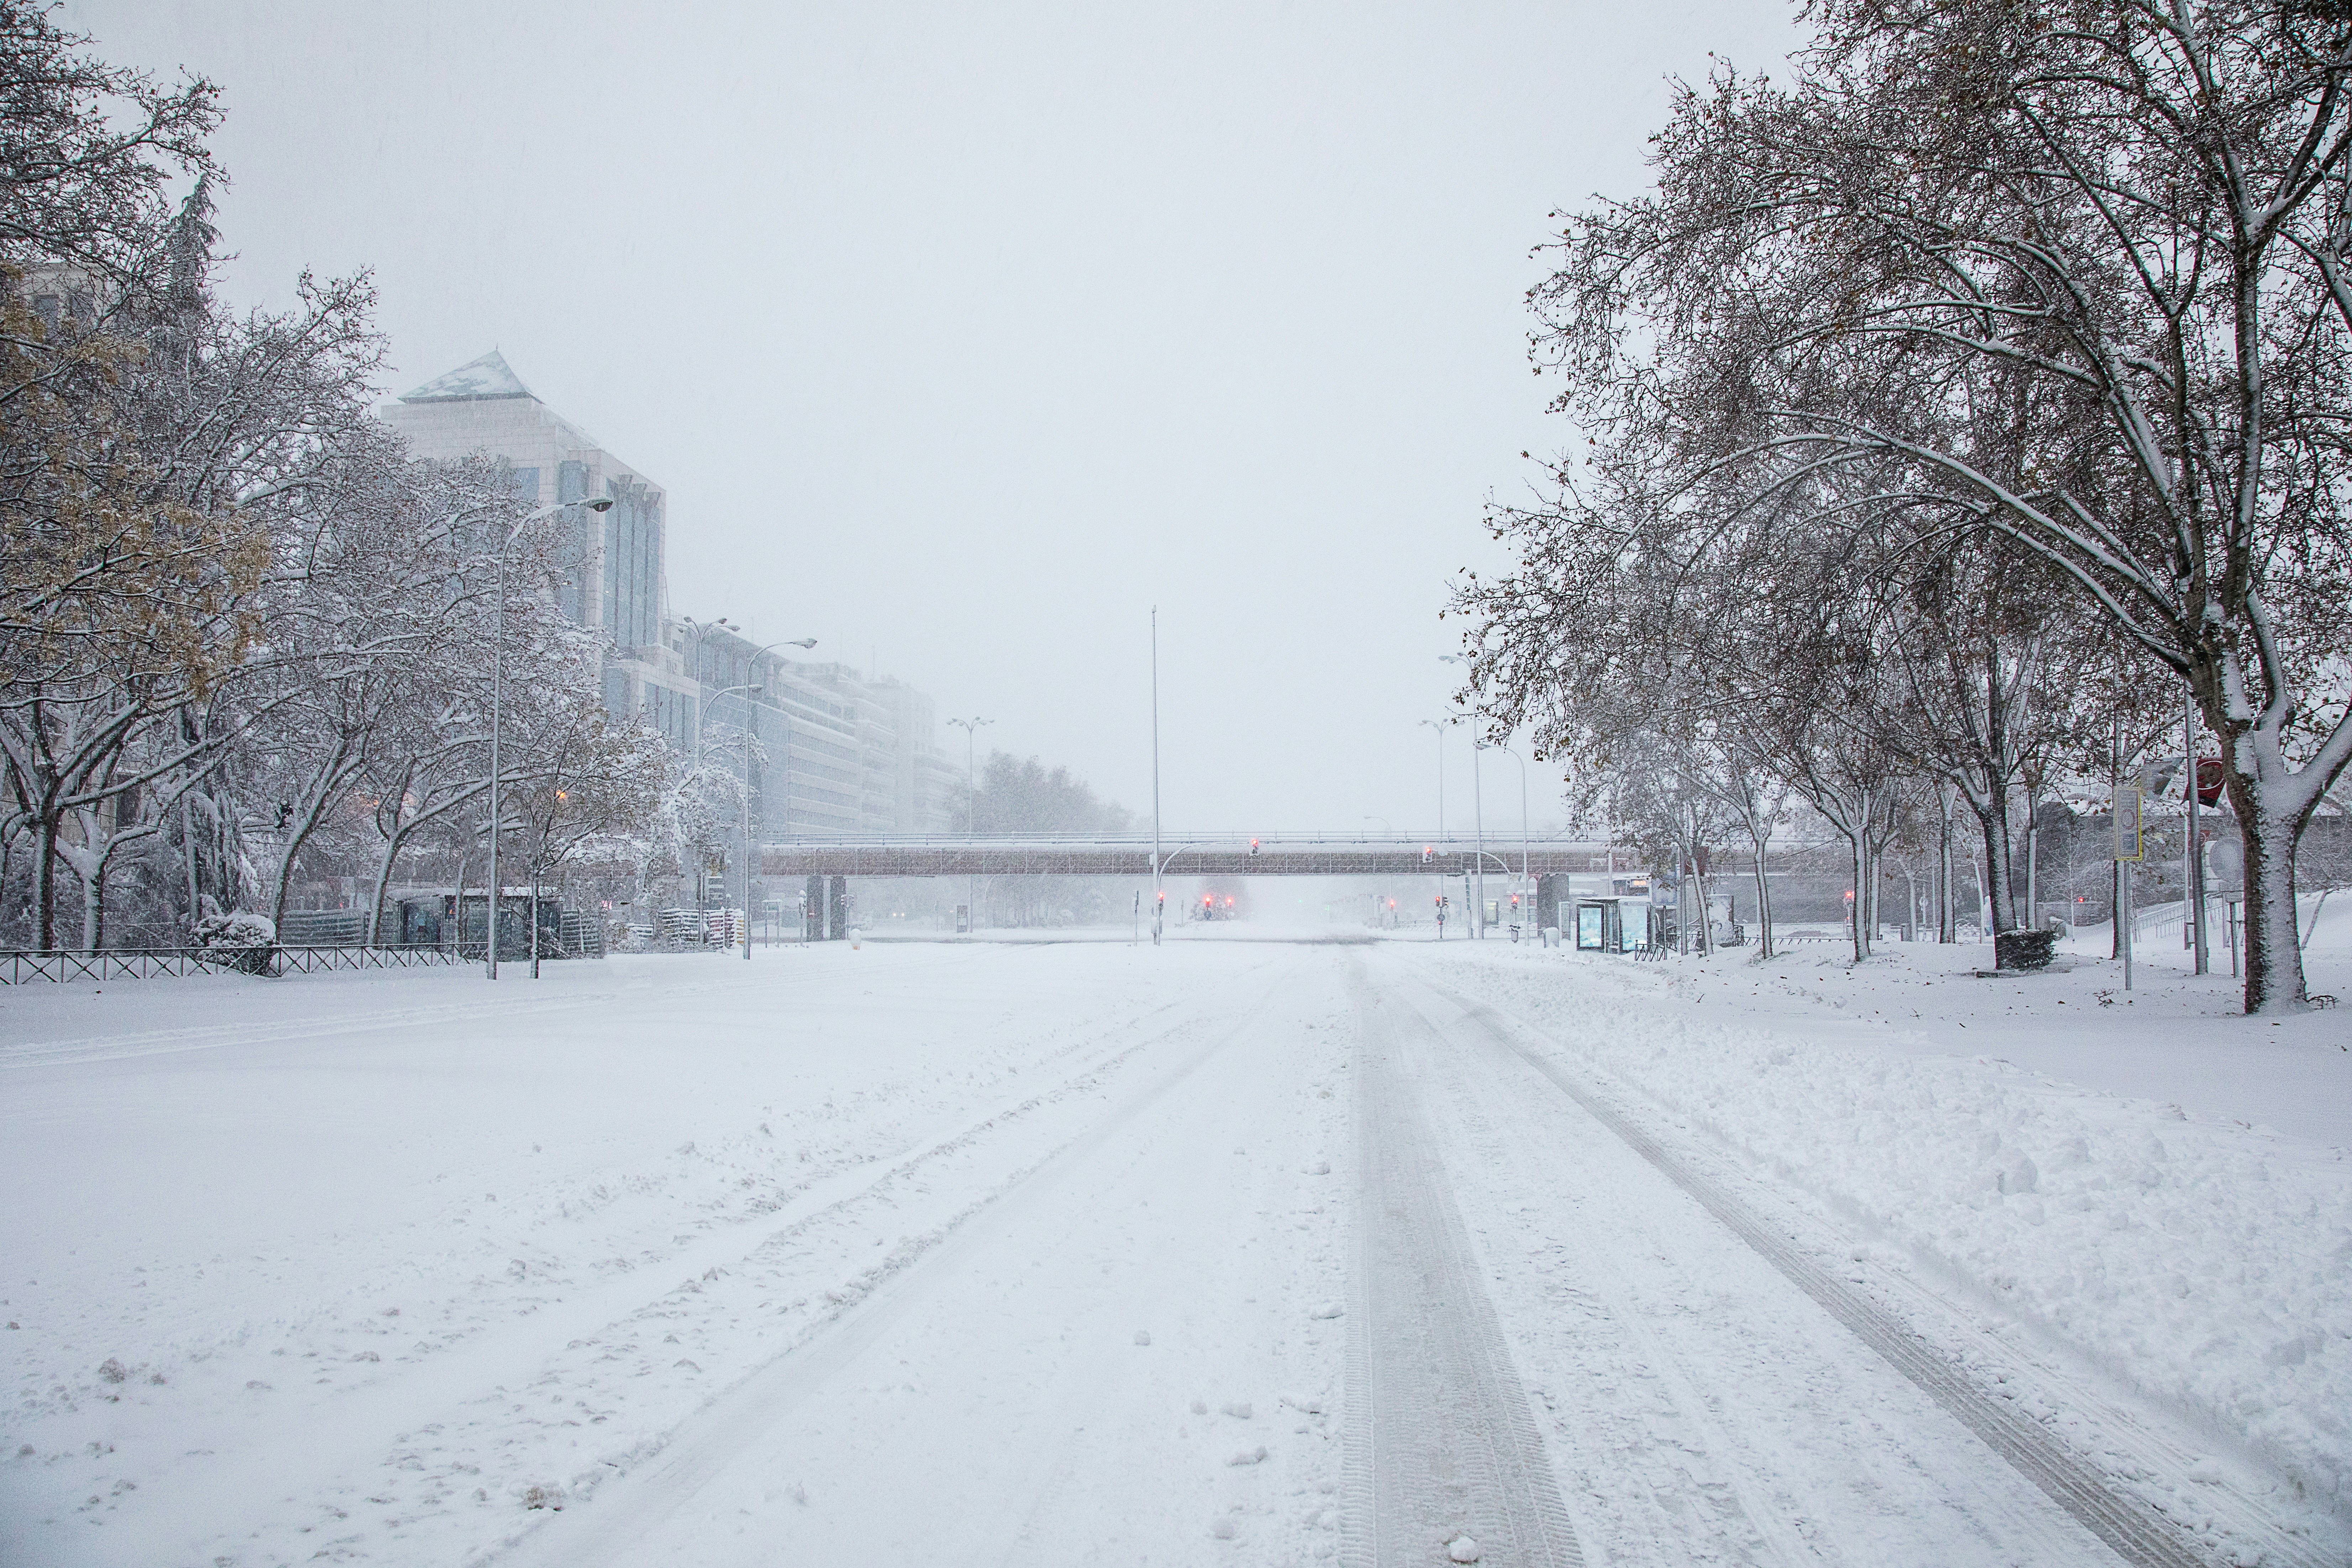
(2127, 228)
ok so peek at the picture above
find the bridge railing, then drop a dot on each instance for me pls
(1190, 837)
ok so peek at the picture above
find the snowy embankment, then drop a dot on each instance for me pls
(2202, 1259)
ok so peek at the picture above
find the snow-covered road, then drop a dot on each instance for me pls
(1221, 1253)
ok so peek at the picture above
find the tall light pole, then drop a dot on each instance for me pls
(1158, 897)
(702, 717)
(1478, 816)
(972, 728)
(1439, 726)
(498, 683)
(1526, 888)
(2192, 864)
(751, 667)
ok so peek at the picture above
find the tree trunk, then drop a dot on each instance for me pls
(93, 903)
(188, 856)
(1763, 900)
(1992, 879)
(383, 880)
(2033, 868)
(1947, 925)
(298, 834)
(2275, 982)
(45, 883)
(1877, 878)
(1859, 842)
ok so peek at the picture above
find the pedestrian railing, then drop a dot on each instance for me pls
(19, 968)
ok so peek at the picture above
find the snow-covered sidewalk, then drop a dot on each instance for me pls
(2099, 1177)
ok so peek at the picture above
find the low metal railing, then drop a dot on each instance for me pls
(19, 968)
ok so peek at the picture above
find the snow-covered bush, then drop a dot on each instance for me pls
(245, 942)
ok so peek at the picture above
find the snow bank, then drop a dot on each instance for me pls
(2207, 1262)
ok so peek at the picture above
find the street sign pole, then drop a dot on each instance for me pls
(2193, 856)
(2130, 848)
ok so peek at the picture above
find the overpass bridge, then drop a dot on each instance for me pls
(1294, 854)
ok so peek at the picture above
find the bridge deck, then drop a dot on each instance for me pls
(1126, 856)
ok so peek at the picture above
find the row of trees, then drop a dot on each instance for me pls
(1015, 795)
(1954, 416)
(243, 633)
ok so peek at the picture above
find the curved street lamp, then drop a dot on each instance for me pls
(751, 667)
(497, 682)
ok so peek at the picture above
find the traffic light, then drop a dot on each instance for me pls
(1428, 853)
(1252, 845)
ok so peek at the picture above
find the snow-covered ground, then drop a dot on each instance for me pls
(1224, 1252)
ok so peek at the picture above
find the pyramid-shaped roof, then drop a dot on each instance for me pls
(486, 377)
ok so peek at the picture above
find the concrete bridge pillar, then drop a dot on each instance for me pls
(813, 910)
(836, 909)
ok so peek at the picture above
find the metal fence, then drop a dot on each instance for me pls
(149, 962)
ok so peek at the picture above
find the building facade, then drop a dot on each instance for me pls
(843, 753)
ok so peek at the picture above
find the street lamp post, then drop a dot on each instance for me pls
(702, 717)
(1478, 820)
(971, 728)
(1158, 897)
(751, 667)
(1526, 888)
(1478, 817)
(2192, 860)
(1440, 727)
(498, 683)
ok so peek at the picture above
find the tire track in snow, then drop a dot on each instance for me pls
(371, 1432)
(694, 1455)
(2132, 1531)
(1713, 1469)
(1441, 1442)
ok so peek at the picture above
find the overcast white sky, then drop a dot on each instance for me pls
(962, 334)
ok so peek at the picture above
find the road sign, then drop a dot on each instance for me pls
(2131, 816)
